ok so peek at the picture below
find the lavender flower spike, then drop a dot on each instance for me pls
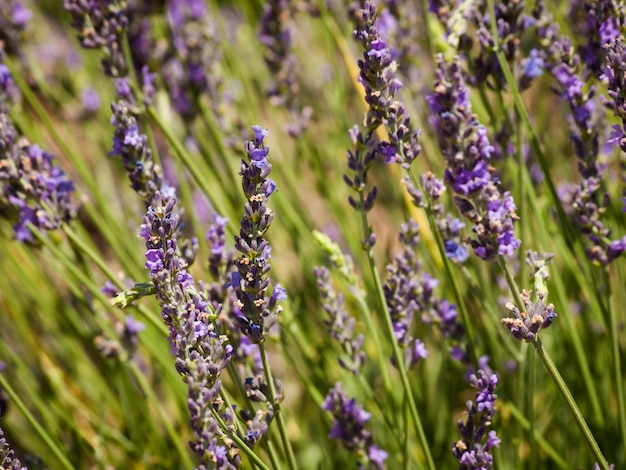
(101, 25)
(349, 427)
(250, 281)
(200, 353)
(8, 460)
(339, 323)
(192, 71)
(466, 148)
(472, 450)
(34, 190)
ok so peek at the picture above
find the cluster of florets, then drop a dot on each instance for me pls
(467, 150)
(537, 316)
(35, 191)
(101, 25)
(189, 70)
(349, 420)
(472, 450)
(201, 353)
(377, 75)
(250, 281)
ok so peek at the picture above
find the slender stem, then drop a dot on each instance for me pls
(545, 445)
(404, 376)
(529, 390)
(571, 403)
(397, 354)
(278, 415)
(189, 163)
(153, 399)
(373, 330)
(15, 399)
(617, 366)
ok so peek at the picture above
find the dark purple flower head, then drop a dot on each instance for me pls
(526, 325)
(472, 450)
(250, 281)
(377, 75)
(101, 24)
(467, 149)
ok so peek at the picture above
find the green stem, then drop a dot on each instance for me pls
(571, 403)
(397, 353)
(529, 390)
(15, 399)
(278, 415)
(190, 164)
(617, 366)
(174, 435)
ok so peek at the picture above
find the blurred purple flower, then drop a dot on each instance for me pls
(101, 25)
(191, 69)
(340, 323)
(14, 19)
(349, 421)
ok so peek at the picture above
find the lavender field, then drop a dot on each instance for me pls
(312, 234)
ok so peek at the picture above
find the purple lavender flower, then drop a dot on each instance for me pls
(132, 148)
(349, 427)
(8, 460)
(90, 100)
(614, 75)
(191, 70)
(14, 19)
(605, 21)
(466, 148)
(340, 324)
(525, 326)
(34, 190)
(472, 450)
(201, 354)
(101, 24)
(468, 23)
(276, 31)
(377, 75)
(250, 281)
(409, 291)
(9, 92)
